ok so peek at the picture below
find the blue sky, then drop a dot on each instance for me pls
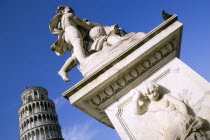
(26, 58)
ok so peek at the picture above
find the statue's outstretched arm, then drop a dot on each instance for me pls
(81, 23)
(54, 25)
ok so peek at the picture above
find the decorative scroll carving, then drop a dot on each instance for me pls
(135, 72)
(124, 80)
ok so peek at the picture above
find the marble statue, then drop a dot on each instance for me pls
(73, 35)
(65, 24)
(172, 114)
(104, 36)
(136, 84)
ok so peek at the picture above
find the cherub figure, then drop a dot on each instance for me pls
(172, 113)
(149, 93)
(66, 25)
(104, 36)
(73, 33)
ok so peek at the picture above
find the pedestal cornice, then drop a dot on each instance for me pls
(97, 91)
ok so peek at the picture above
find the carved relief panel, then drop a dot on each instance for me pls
(171, 104)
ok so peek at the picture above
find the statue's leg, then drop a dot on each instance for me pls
(70, 63)
(74, 37)
(79, 50)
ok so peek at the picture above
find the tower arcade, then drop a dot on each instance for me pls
(37, 116)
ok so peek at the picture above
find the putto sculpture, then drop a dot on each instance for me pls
(171, 112)
(65, 25)
(136, 84)
(75, 35)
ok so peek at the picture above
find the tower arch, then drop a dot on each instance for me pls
(37, 116)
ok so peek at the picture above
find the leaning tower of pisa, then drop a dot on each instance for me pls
(37, 116)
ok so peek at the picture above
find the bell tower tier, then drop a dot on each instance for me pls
(37, 116)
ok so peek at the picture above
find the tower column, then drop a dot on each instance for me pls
(34, 115)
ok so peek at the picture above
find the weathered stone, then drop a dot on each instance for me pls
(177, 98)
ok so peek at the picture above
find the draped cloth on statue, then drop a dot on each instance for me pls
(108, 53)
(98, 43)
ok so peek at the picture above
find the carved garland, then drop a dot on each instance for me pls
(130, 76)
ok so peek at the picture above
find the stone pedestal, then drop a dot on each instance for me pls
(108, 93)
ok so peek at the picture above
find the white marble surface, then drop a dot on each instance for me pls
(95, 92)
(101, 58)
(184, 95)
(176, 80)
